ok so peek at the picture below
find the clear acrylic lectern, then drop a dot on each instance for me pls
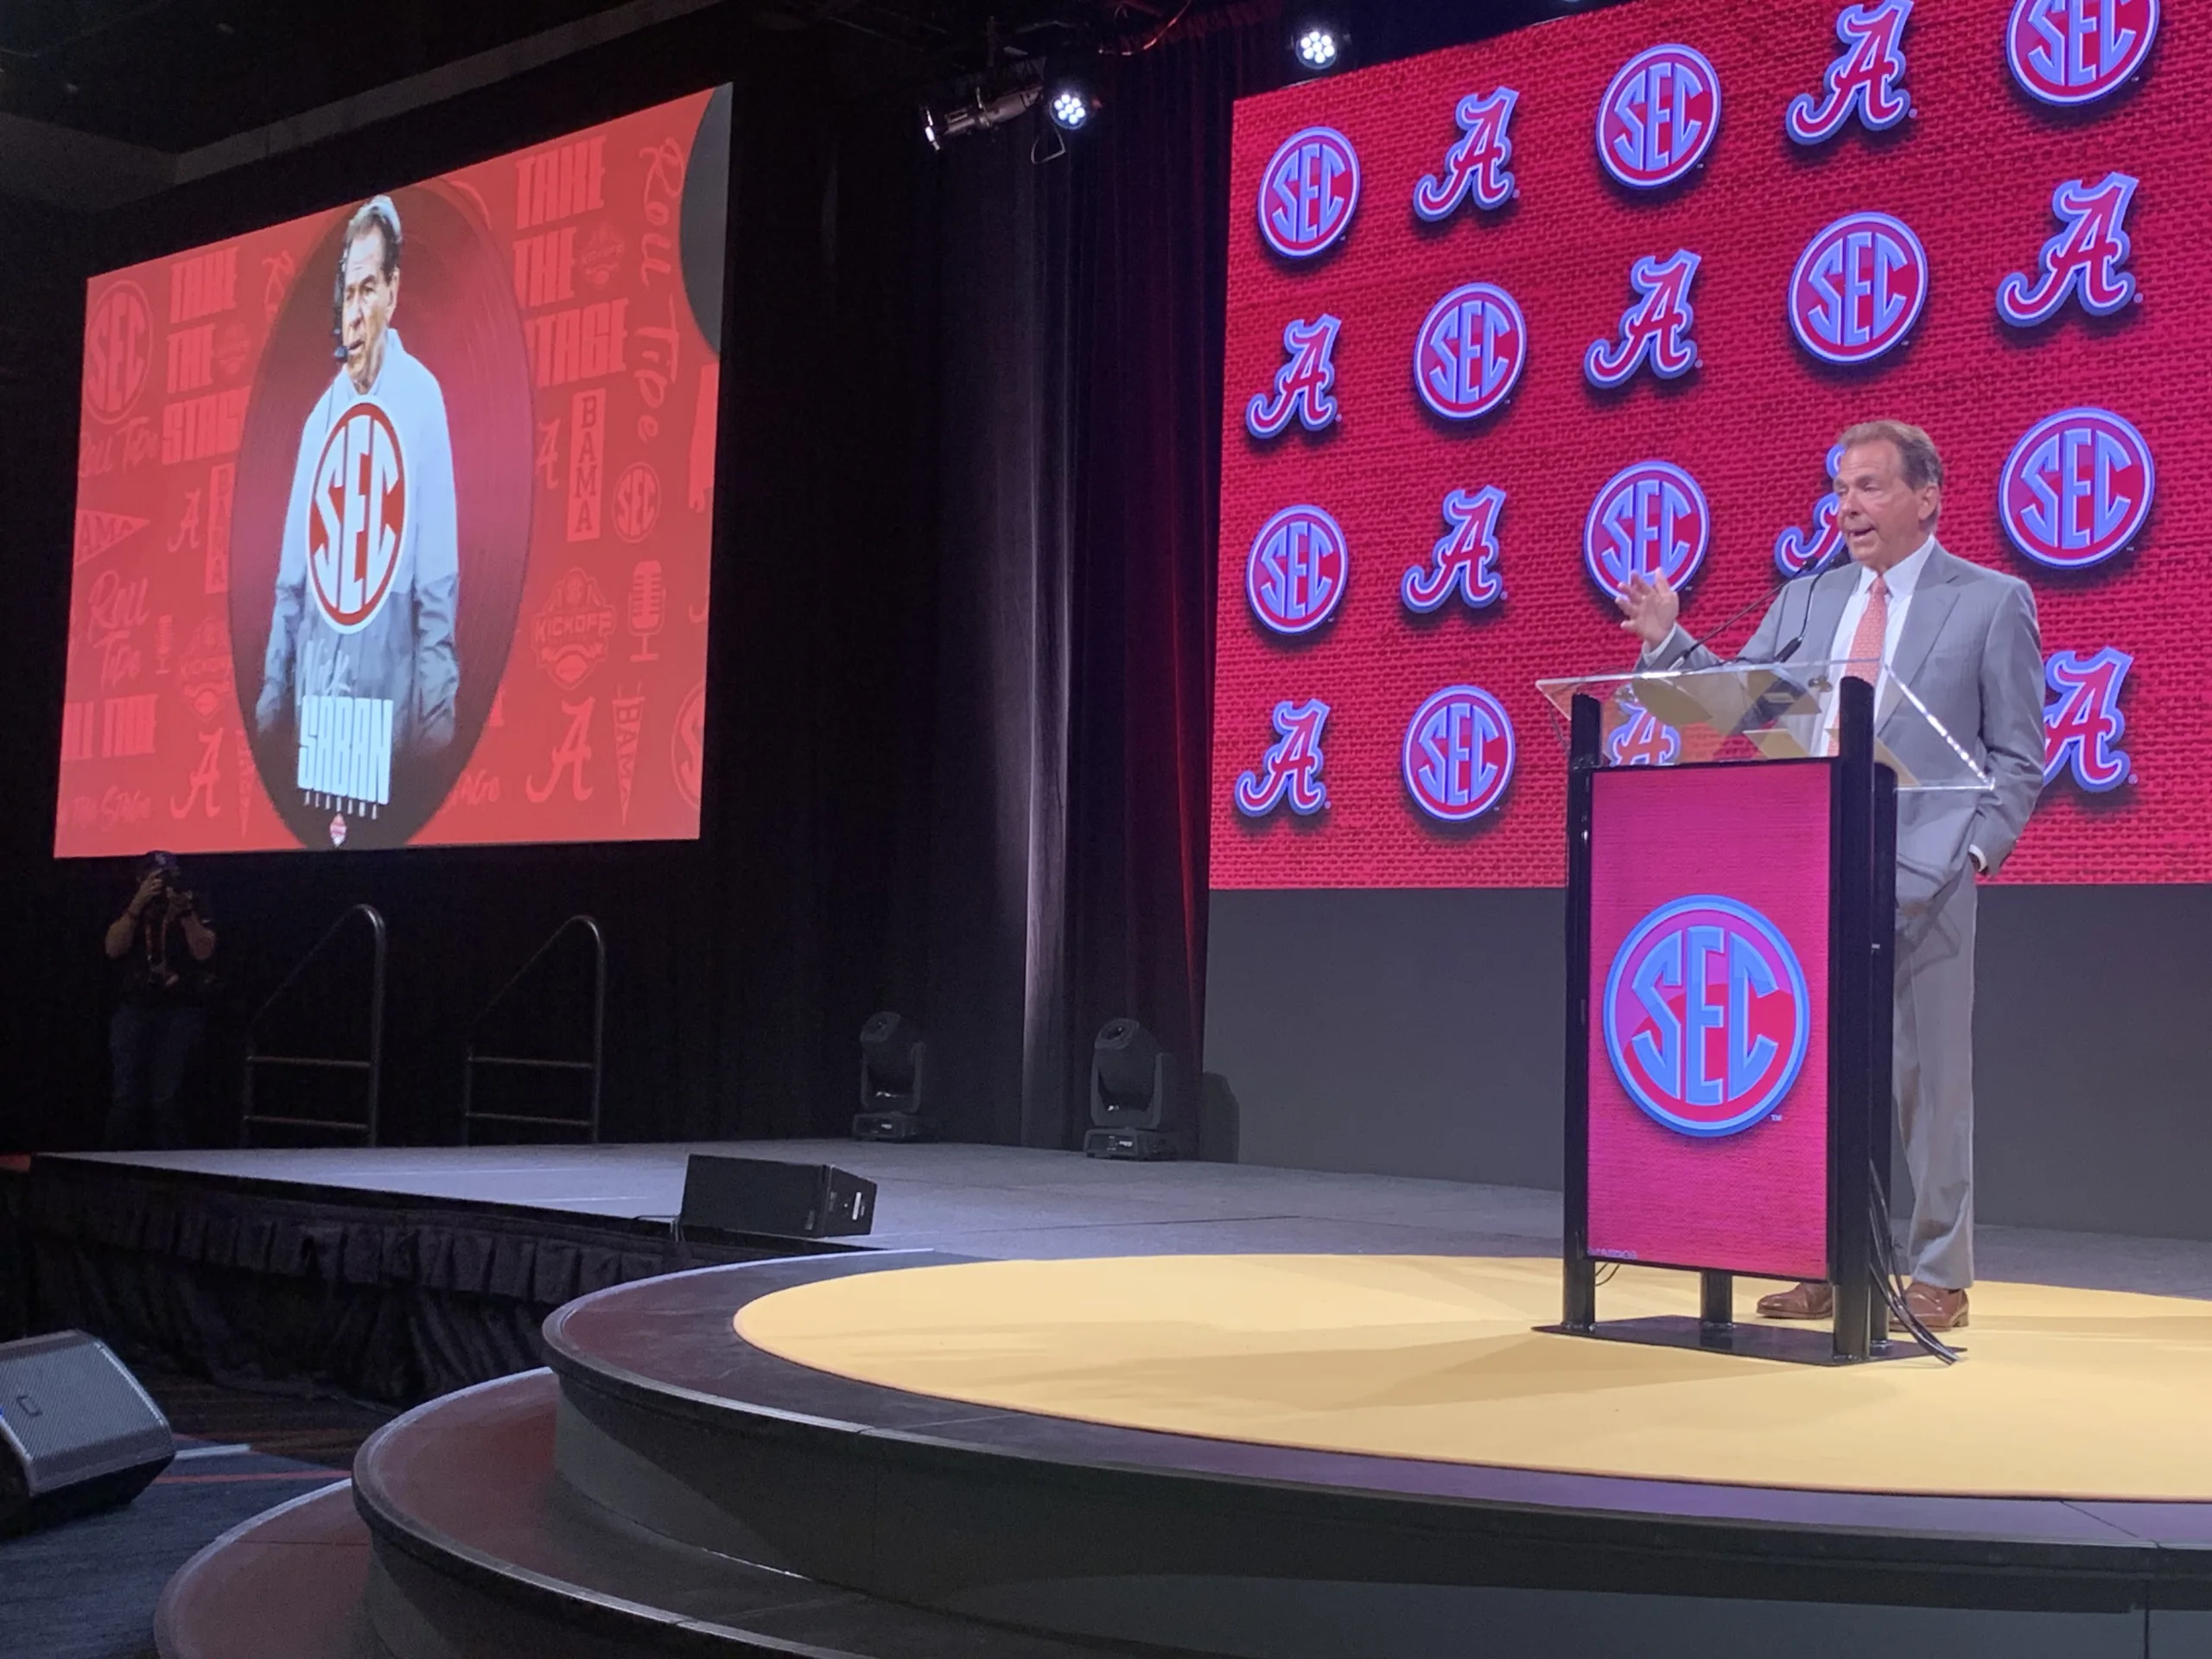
(1731, 858)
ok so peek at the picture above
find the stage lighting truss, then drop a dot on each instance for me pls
(1008, 90)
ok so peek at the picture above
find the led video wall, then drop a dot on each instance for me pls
(1511, 322)
(393, 521)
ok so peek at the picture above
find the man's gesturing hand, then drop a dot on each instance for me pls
(1648, 607)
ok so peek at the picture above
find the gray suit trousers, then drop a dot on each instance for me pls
(1933, 1056)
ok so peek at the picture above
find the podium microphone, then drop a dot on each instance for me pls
(1819, 568)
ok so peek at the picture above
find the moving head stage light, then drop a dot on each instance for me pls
(894, 1074)
(1133, 1104)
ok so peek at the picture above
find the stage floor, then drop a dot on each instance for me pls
(1009, 1202)
(2071, 1393)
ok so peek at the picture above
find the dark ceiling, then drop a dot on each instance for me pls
(173, 75)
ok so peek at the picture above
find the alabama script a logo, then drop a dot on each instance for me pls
(1291, 770)
(2081, 721)
(1795, 550)
(1304, 386)
(1864, 80)
(2082, 261)
(1655, 330)
(1706, 1017)
(1475, 166)
(1465, 557)
(1643, 739)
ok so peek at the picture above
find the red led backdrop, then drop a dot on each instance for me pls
(1465, 384)
(485, 571)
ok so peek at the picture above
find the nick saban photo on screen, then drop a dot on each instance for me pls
(361, 654)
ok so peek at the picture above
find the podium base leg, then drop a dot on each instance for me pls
(1796, 1345)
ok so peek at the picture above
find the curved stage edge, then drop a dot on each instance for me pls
(667, 1417)
(667, 1487)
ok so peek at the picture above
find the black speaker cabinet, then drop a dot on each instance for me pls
(765, 1195)
(77, 1433)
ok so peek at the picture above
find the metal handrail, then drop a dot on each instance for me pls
(471, 1059)
(373, 1064)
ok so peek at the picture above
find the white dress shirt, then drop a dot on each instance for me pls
(1903, 578)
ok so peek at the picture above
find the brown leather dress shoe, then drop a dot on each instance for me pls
(1807, 1299)
(1935, 1307)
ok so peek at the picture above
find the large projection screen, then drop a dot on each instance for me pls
(1508, 321)
(393, 521)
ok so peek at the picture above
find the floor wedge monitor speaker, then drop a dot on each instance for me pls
(77, 1433)
(765, 1195)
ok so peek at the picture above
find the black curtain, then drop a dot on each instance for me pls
(961, 646)
(1150, 271)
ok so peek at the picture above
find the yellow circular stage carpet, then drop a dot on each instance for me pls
(2064, 1393)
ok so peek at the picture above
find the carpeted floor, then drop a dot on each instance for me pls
(87, 1590)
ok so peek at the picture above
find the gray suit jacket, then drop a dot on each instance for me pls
(1971, 652)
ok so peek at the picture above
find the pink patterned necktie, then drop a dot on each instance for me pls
(1866, 643)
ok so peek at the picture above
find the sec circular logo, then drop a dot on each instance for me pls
(1457, 756)
(1858, 288)
(1470, 352)
(1309, 192)
(118, 347)
(687, 744)
(2071, 52)
(1650, 518)
(1297, 569)
(637, 502)
(1705, 1016)
(1659, 117)
(2076, 488)
(356, 517)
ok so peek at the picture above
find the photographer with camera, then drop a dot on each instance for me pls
(160, 945)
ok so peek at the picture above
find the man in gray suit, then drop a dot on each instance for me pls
(1964, 638)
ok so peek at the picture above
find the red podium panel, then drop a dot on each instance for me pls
(1710, 897)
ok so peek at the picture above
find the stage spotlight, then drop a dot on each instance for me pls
(894, 1077)
(989, 101)
(1071, 107)
(1319, 48)
(1132, 1095)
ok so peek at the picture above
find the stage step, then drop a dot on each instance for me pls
(457, 1537)
(286, 1585)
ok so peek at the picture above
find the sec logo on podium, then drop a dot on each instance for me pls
(1706, 1017)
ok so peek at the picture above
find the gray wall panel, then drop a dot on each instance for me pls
(1420, 1034)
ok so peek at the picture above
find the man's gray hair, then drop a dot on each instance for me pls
(1919, 462)
(377, 214)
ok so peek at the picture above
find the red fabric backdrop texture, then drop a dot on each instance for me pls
(1971, 170)
(548, 293)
